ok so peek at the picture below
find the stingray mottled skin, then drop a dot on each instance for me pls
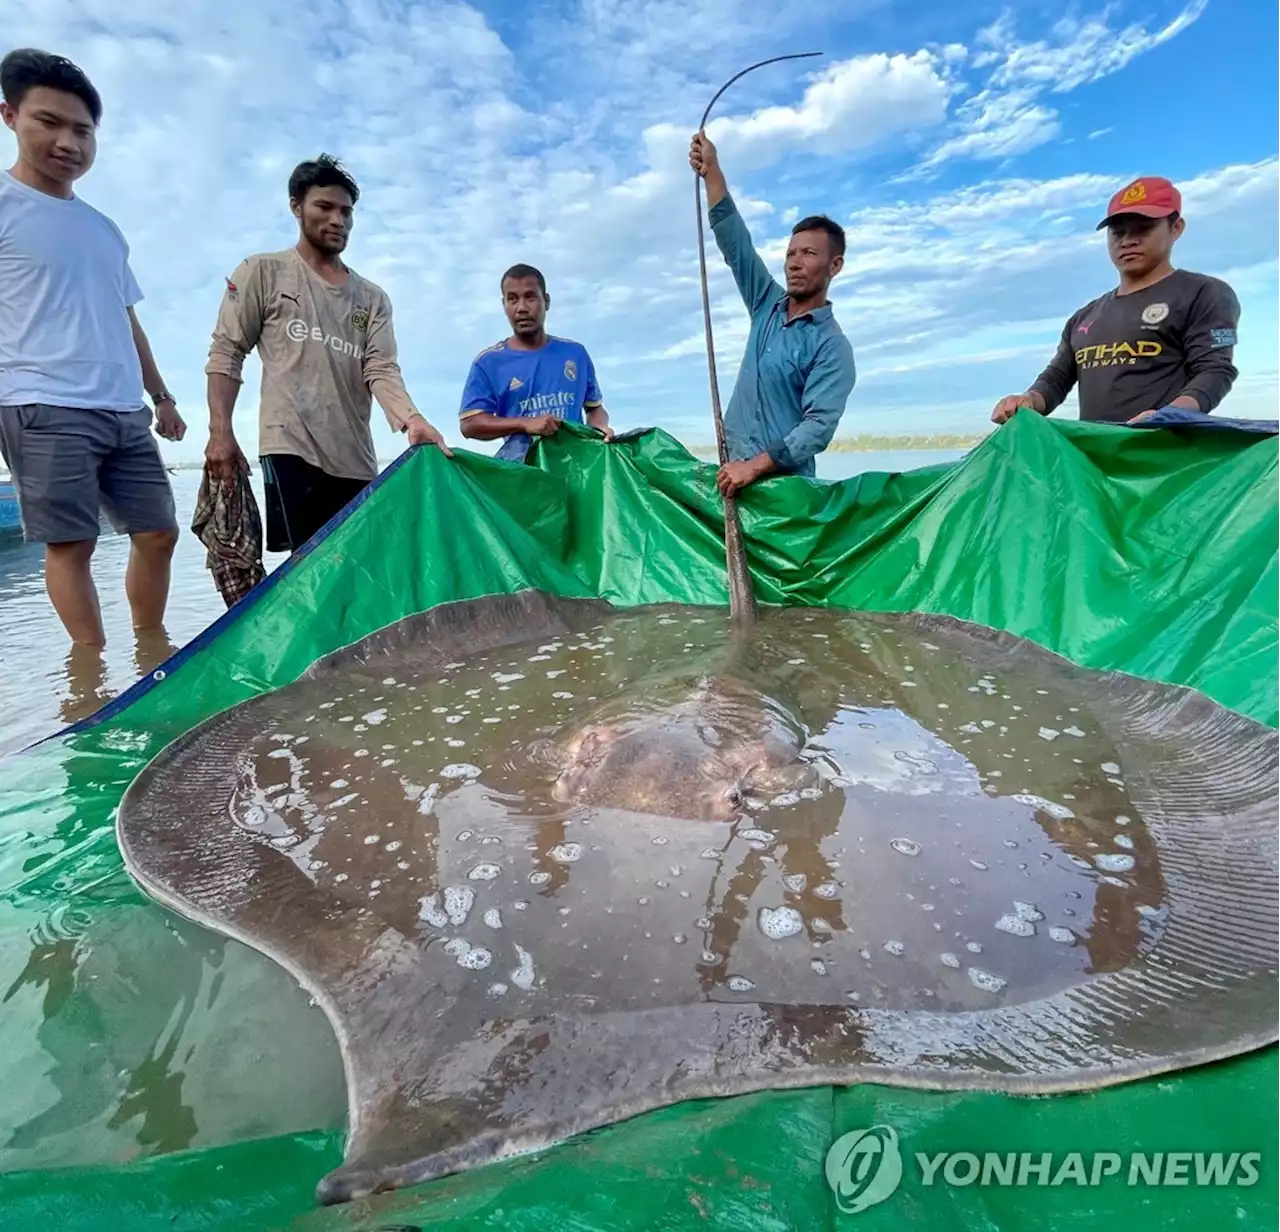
(506, 968)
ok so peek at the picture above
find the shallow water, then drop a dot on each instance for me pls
(44, 686)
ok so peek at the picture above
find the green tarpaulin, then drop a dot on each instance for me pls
(143, 1061)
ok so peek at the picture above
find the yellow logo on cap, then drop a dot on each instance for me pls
(1133, 194)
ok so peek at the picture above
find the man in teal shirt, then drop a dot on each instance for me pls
(798, 371)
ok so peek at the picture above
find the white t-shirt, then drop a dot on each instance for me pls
(65, 285)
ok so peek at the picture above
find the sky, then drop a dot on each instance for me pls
(969, 150)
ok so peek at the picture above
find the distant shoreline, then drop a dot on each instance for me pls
(848, 444)
(881, 444)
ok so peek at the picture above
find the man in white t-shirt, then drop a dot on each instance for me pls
(74, 429)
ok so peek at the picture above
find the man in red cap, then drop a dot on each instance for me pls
(1164, 337)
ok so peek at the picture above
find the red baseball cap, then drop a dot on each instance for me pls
(1151, 197)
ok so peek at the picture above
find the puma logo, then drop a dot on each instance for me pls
(286, 295)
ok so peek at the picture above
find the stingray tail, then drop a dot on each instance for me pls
(742, 600)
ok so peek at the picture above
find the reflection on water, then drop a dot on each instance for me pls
(44, 682)
(963, 839)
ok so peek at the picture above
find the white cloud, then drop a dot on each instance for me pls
(1082, 50)
(1009, 116)
(995, 126)
(571, 153)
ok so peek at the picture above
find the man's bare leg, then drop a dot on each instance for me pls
(146, 581)
(69, 581)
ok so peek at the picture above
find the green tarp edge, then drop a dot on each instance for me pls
(1150, 552)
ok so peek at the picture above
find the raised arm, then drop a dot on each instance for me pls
(732, 237)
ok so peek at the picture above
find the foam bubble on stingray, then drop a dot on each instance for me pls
(484, 872)
(1113, 862)
(524, 974)
(1016, 926)
(828, 889)
(778, 923)
(1059, 812)
(905, 846)
(429, 910)
(949, 960)
(896, 948)
(1123, 840)
(795, 882)
(458, 901)
(460, 770)
(1064, 936)
(985, 981)
(739, 983)
(474, 958)
(539, 878)
(493, 917)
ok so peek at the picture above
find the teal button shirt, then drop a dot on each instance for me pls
(796, 376)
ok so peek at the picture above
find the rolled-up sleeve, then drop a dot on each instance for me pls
(239, 323)
(1209, 345)
(826, 393)
(734, 241)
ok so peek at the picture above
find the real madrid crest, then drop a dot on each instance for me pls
(360, 319)
(570, 370)
(1153, 314)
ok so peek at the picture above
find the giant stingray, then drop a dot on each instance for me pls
(986, 868)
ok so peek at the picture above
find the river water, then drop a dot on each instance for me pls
(44, 685)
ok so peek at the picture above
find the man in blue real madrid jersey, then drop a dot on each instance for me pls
(526, 385)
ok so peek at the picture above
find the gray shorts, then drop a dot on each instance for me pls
(67, 464)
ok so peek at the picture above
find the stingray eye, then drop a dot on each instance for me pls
(734, 797)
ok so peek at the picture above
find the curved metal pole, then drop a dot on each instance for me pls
(742, 604)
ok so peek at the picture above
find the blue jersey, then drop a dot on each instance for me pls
(556, 379)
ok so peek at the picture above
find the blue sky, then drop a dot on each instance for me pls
(968, 149)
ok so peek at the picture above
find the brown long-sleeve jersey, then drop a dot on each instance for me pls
(326, 351)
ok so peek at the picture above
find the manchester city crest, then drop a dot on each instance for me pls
(360, 319)
(570, 370)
